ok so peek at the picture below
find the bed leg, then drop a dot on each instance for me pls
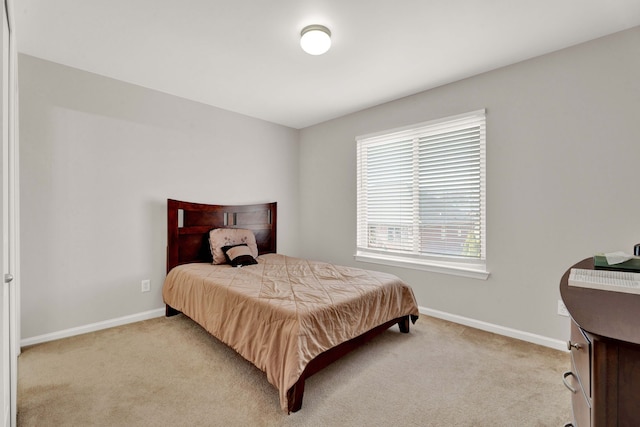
(170, 311)
(294, 395)
(403, 324)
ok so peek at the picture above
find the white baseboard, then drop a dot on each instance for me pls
(496, 329)
(159, 312)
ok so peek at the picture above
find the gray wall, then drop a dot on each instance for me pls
(99, 158)
(563, 160)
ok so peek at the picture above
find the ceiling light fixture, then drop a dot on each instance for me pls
(315, 39)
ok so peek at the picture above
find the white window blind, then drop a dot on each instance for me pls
(421, 190)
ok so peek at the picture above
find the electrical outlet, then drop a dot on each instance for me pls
(145, 285)
(562, 310)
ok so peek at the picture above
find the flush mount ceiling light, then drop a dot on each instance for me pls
(315, 39)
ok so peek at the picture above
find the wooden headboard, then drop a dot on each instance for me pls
(188, 226)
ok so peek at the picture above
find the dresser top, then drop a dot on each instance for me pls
(607, 314)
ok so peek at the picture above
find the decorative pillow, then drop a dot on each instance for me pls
(238, 255)
(220, 237)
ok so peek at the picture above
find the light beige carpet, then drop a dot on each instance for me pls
(169, 371)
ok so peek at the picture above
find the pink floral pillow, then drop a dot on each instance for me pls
(220, 237)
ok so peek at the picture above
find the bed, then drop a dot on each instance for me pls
(290, 317)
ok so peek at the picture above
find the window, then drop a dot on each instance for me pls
(421, 196)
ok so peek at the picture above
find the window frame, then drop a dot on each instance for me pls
(460, 266)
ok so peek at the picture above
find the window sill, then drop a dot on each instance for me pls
(474, 271)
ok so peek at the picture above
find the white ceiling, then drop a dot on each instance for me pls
(244, 55)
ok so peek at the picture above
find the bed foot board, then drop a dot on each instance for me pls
(294, 395)
(170, 311)
(403, 324)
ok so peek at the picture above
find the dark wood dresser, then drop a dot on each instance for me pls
(605, 354)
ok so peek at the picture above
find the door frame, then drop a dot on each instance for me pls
(13, 211)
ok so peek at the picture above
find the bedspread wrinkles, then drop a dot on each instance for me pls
(282, 312)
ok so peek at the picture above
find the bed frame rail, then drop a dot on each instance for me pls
(295, 393)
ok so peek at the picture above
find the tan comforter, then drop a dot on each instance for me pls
(284, 311)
